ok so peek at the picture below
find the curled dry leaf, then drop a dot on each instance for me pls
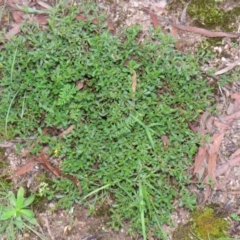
(165, 141)
(43, 159)
(79, 85)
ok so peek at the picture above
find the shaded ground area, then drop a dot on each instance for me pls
(218, 160)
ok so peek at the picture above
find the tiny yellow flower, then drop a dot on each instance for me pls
(56, 152)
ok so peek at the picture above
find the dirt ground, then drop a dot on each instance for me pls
(77, 224)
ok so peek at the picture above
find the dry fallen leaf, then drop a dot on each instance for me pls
(199, 158)
(228, 165)
(205, 32)
(165, 141)
(154, 19)
(79, 85)
(236, 97)
(134, 81)
(43, 159)
(233, 116)
(41, 19)
(228, 68)
(44, 5)
(22, 170)
(111, 26)
(214, 149)
(18, 16)
(67, 131)
(15, 30)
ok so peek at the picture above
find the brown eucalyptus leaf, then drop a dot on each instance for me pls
(199, 158)
(22, 170)
(18, 16)
(154, 19)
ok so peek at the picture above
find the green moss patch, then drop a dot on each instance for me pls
(205, 224)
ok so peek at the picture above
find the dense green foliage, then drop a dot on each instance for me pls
(115, 149)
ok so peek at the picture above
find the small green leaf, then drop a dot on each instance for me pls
(31, 220)
(28, 201)
(19, 222)
(8, 214)
(27, 213)
(12, 198)
(3, 227)
(20, 198)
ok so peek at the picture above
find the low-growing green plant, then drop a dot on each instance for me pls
(15, 216)
(235, 217)
(116, 147)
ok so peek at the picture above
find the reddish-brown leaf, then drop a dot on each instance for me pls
(235, 154)
(74, 180)
(205, 32)
(18, 16)
(213, 154)
(79, 85)
(235, 95)
(41, 19)
(193, 128)
(233, 116)
(165, 141)
(154, 19)
(111, 26)
(199, 158)
(22, 170)
(81, 17)
(233, 161)
(43, 159)
(174, 31)
(236, 103)
(15, 30)
(207, 193)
